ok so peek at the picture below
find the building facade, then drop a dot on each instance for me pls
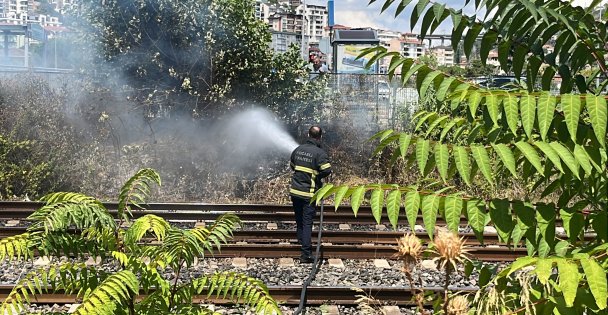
(444, 55)
(282, 40)
(408, 45)
(315, 22)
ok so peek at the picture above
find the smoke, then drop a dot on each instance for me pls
(256, 131)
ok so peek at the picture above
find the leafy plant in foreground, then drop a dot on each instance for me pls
(486, 140)
(72, 224)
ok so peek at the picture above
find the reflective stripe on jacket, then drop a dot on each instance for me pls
(310, 164)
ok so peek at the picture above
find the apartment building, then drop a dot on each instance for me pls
(285, 22)
(315, 22)
(444, 55)
(14, 11)
(408, 45)
(386, 36)
(262, 10)
(282, 40)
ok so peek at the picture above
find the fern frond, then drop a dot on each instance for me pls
(179, 245)
(148, 223)
(69, 277)
(149, 276)
(104, 238)
(16, 247)
(218, 233)
(70, 197)
(237, 287)
(59, 216)
(115, 291)
(67, 244)
(135, 190)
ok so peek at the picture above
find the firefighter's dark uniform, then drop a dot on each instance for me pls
(310, 164)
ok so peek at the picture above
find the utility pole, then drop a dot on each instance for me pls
(303, 46)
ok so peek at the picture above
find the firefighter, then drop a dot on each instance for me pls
(310, 164)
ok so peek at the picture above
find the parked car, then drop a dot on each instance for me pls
(503, 83)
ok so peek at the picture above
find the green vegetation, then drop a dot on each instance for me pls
(79, 225)
(475, 145)
(213, 55)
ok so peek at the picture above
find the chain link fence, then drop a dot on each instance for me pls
(373, 102)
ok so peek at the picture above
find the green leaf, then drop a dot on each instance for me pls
(547, 78)
(510, 104)
(401, 7)
(519, 59)
(417, 12)
(528, 113)
(583, 159)
(340, 193)
(545, 218)
(422, 153)
(546, 110)
(387, 4)
(522, 262)
(598, 114)
(461, 158)
(412, 205)
(453, 209)
(476, 217)
(599, 221)
(442, 159)
(447, 129)
(427, 20)
(430, 207)
(568, 280)
(487, 43)
(428, 80)
(404, 142)
(566, 157)
(323, 192)
(501, 217)
(393, 204)
(484, 276)
(506, 156)
(493, 107)
(443, 88)
(357, 198)
(503, 54)
(571, 106)
(382, 134)
(530, 154)
(483, 162)
(551, 154)
(474, 100)
(544, 268)
(377, 201)
(471, 37)
(573, 222)
(596, 278)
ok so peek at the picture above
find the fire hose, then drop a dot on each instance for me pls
(315, 266)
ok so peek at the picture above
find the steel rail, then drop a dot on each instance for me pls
(335, 237)
(351, 251)
(204, 212)
(287, 295)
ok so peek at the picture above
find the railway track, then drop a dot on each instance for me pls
(204, 212)
(336, 244)
(286, 295)
(277, 243)
(346, 244)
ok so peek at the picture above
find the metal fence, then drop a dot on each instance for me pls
(372, 101)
